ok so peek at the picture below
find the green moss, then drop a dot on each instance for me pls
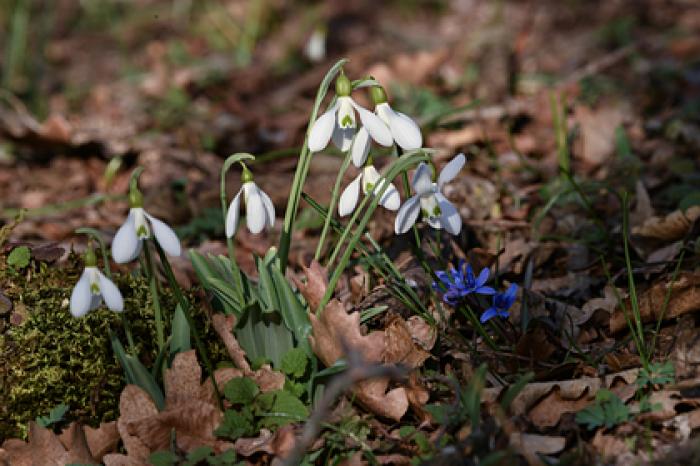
(52, 357)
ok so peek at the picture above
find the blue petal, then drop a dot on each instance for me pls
(487, 290)
(469, 273)
(488, 314)
(483, 277)
(503, 314)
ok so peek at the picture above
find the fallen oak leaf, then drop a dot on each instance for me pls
(671, 227)
(335, 328)
(46, 448)
(278, 444)
(684, 298)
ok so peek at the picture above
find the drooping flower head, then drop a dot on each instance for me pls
(429, 201)
(92, 288)
(260, 212)
(460, 281)
(370, 181)
(501, 303)
(138, 226)
(339, 122)
(404, 131)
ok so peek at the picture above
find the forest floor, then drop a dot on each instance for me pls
(580, 122)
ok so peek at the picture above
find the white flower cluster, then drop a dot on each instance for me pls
(386, 127)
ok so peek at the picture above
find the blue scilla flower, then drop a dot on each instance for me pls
(501, 303)
(460, 281)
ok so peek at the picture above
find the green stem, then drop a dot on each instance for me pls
(303, 169)
(153, 287)
(667, 298)
(334, 202)
(471, 315)
(186, 310)
(97, 236)
(400, 164)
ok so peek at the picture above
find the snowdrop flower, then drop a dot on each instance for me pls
(339, 122)
(370, 180)
(260, 212)
(128, 241)
(436, 210)
(92, 288)
(501, 303)
(404, 131)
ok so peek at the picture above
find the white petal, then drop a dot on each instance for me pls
(342, 137)
(449, 216)
(110, 293)
(370, 178)
(451, 170)
(375, 126)
(348, 200)
(405, 131)
(422, 179)
(125, 245)
(390, 199)
(269, 209)
(322, 129)
(232, 215)
(81, 296)
(360, 147)
(254, 208)
(407, 215)
(165, 236)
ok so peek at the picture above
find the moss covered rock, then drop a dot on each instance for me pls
(48, 357)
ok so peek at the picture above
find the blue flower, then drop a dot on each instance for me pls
(459, 282)
(501, 303)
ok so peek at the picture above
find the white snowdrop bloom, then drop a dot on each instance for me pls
(428, 200)
(370, 181)
(260, 212)
(128, 241)
(404, 131)
(339, 122)
(92, 288)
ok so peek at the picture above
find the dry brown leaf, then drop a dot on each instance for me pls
(354, 460)
(335, 328)
(533, 393)
(103, 439)
(399, 346)
(609, 446)
(315, 286)
(598, 131)
(530, 445)
(684, 298)
(423, 334)
(46, 449)
(672, 227)
(549, 410)
(278, 444)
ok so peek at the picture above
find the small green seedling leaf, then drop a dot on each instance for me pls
(607, 410)
(55, 416)
(236, 424)
(659, 373)
(294, 363)
(163, 458)
(285, 409)
(241, 391)
(19, 257)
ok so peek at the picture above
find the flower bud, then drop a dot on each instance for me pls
(343, 86)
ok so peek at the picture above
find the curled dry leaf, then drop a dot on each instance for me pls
(532, 445)
(315, 286)
(609, 446)
(278, 444)
(671, 227)
(684, 298)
